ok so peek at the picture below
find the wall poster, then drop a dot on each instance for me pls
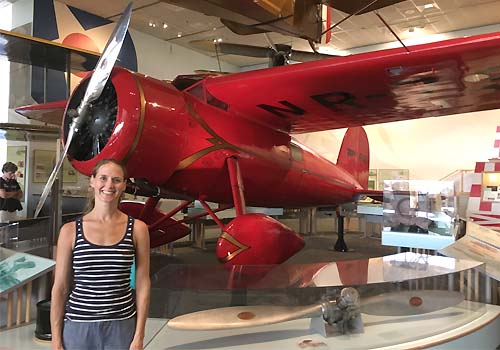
(44, 162)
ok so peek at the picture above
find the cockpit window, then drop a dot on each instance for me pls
(182, 82)
(198, 91)
(212, 100)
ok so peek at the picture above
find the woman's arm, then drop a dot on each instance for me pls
(142, 282)
(62, 282)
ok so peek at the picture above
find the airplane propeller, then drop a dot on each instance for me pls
(278, 54)
(389, 304)
(95, 87)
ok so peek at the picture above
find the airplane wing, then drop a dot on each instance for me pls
(51, 112)
(436, 79)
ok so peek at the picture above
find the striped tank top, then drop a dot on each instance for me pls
(101, 283)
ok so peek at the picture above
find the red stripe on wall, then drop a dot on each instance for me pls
(485, 216)
(485, 206)
(475, 190)
(479, 167)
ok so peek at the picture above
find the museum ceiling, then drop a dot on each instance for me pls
(411, 20)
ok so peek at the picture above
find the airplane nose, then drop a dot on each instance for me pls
(97, 129)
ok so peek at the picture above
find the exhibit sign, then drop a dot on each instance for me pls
(418, 214)
(17, 269)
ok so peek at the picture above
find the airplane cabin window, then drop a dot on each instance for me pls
(198, 91)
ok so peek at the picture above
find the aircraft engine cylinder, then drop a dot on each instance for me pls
(137, 119)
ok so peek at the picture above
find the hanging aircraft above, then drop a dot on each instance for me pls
(227, 139)
(306, 19)
(278, 54)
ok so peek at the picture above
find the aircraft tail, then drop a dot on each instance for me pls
(354, 155)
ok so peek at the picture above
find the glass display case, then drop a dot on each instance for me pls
(359, 304)
(418, 214)
(20, 275)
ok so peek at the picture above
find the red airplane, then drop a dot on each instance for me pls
(227, 139)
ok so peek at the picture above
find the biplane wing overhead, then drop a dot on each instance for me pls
(298, 18)
(26, 49)
(20, 48)
(436, 79)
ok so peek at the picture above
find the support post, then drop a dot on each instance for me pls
(55, 219)
(148, 208)
(340, 245)
(236, 185)
(168, 215)
(212, 215)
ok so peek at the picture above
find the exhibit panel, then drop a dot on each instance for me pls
(418, 214)
(484, 201)
(19, 277)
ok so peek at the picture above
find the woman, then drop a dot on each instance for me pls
(94, 258)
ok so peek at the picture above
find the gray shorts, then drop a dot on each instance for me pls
(103, 335)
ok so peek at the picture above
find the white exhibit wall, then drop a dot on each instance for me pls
(165, 60)
(430, 148)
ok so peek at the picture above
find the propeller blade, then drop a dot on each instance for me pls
(94, 89)
(242, 316)
(412, 302)
(388, 304)
(107, 60)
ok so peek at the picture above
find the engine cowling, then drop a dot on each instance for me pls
(257, 239)
(136, 119)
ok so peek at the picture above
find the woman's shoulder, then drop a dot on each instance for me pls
(139, 224)
(67, 233)
(69, 226)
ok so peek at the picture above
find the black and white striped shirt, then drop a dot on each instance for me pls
(101, 286)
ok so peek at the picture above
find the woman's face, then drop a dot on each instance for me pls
(109, 183)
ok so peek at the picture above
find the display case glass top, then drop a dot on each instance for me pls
(17, 269)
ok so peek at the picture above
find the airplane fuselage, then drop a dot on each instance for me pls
(178, 140)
